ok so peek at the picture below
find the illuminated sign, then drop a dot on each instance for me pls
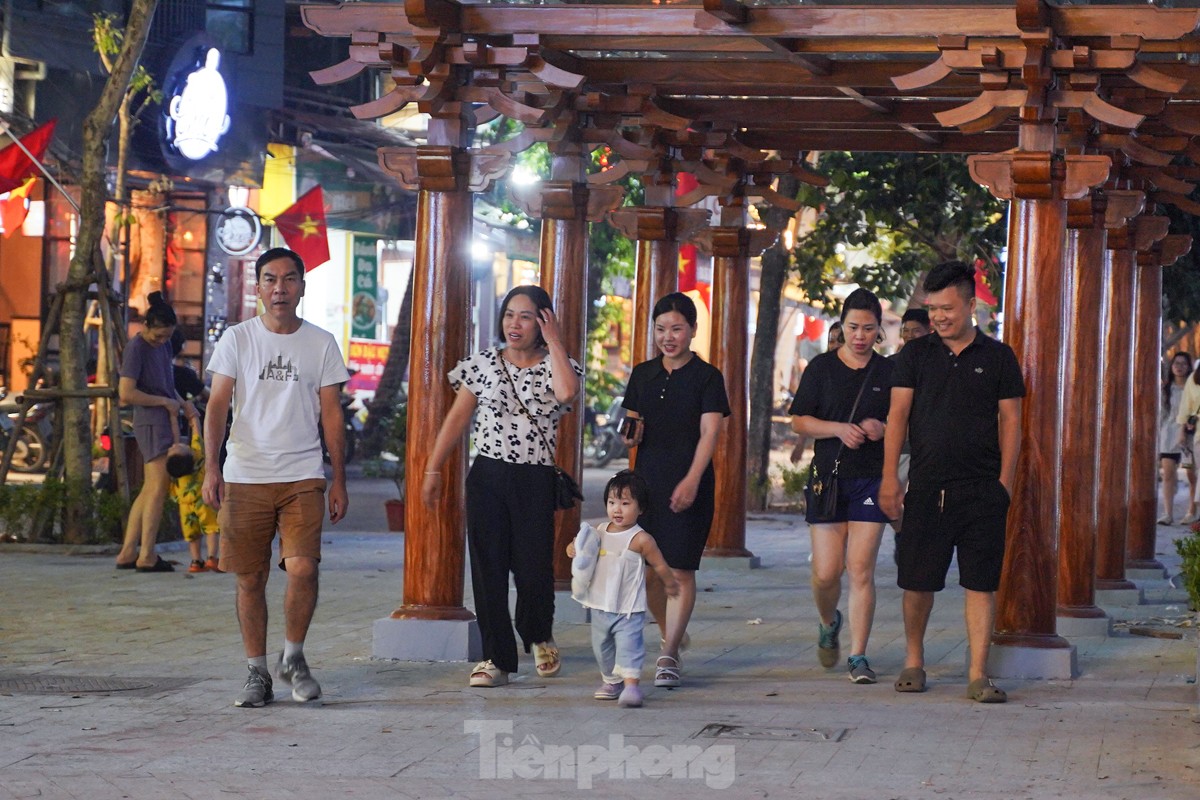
(238, 231)
(196, 116)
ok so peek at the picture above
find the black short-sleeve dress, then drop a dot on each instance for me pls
(671, 403)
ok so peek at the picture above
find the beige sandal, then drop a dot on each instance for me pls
(487, 675)
(545, 658)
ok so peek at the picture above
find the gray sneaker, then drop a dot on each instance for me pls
(828, 649)
(294, 674)
(860, 670)
(257, 692)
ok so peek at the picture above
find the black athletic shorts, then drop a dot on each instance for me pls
(969, 518)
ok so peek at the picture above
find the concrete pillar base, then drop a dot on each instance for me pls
(1121, 598)
(426, 640)
(1076, 627)
(1140, 575)
(1047, 663)
(731, 562)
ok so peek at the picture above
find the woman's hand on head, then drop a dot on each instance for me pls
(549, 325)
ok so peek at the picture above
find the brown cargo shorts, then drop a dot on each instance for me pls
(251, 513)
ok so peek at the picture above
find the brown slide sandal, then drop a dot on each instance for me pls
(911, 679)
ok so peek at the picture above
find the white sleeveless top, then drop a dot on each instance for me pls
(619, 582)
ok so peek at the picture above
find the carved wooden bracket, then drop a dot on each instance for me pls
(1038, 176)
(658, 223)
(566, 200)
(443, 169)
(1140, 234)
(1123, 205)
(733, 241)
(1172, 248)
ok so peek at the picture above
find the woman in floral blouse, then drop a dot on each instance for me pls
(517, 393)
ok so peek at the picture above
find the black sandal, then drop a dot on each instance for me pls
(159, 566)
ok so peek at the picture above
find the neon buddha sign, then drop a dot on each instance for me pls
(196, 116)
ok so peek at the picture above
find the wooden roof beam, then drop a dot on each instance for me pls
(796, 22)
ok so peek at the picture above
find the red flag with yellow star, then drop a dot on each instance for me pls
(14, 206)
(302, 226)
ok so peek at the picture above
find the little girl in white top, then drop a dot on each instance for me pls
(611, 581)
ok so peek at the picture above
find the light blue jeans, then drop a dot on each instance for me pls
(618, 645)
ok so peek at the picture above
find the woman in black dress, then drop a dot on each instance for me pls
(679, 401)
(841, 402)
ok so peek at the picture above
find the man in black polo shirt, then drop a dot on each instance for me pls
(956, 396)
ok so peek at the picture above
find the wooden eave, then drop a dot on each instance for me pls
(800, 77)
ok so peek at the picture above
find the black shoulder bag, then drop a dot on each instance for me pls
(823, 489)
(566, 490)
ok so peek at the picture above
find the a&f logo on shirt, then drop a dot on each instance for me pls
(279, 371)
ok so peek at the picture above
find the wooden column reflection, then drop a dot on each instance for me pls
(1084, 263)
(434, 538)
(727, 351)
(1143, 454)
(1025, 608)
(1116, 402)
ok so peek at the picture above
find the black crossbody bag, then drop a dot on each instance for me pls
(566, 490)
(823, 489)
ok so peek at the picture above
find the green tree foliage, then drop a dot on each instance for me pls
(1181, 280)
(908, 211)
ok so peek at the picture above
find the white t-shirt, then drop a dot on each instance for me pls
(276, 399)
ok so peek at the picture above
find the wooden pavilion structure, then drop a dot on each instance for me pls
(1082, 115)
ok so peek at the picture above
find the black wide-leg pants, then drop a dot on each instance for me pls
(510, 528)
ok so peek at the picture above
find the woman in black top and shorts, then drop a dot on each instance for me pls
(678, 401)
(851, 435)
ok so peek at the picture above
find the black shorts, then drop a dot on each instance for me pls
(967, 518)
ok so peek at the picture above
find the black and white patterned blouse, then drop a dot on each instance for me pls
(502, 430)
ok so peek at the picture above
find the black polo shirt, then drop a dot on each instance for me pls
(953, 425)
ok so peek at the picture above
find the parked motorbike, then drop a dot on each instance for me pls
(352, 427)
(604, 442)
(32, 451)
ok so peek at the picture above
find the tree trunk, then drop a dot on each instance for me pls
(391, 382)
(772, 274)
(86, 266)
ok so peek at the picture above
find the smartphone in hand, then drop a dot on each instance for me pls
(629, 427)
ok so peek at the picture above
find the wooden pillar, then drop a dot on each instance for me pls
(1039, 182)
(1116, 401)
(1081, 336)
(729, 339)
(434, 538)
(1034, 294)
(1143, 455)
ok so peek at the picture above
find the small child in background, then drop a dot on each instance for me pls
(609, 577)
(186, 465)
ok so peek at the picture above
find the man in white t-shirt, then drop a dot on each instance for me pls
(282, 376)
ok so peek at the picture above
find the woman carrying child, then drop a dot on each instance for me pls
(611, 573)
(517, 393)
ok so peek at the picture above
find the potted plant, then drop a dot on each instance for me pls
(392, 462)
(1188, 548)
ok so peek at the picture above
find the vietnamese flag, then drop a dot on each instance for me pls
(15, 166)
(302, 226)
(982, 290)
(14, 206)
